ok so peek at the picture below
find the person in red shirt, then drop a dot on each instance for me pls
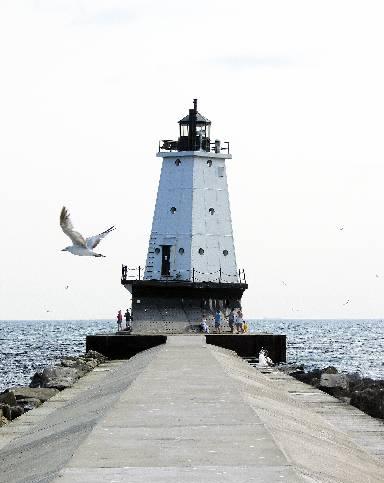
(119, 320)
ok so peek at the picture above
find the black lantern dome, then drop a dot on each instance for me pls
(194, 135)
(194, 131)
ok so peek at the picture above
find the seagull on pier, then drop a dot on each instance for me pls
(81, 246)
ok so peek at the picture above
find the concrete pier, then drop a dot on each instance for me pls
(186, 411)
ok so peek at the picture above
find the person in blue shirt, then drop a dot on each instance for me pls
(218, 321)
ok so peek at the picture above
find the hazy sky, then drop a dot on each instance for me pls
(87, 88)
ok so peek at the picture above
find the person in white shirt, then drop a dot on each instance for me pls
(239, 321)
(204, 326)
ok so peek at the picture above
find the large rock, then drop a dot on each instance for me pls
(6, 411)
(36, 380)
(29, 403)
(68, 362)
(95, 355)
(83, 366)
(366, 383)
(307, 377)
(334, 384)
(3, 419)
(370, 400)
(329, 370)
(59, 377)
(16, 411)
(41, 393)
(8, 398)
(313, 377)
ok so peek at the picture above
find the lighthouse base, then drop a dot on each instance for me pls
(118, 346)
(177, 307)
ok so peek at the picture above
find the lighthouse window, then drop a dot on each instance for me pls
(157, 251)
(181, 251)
(211, 210)
(201, 251)
(177, 162)
(173, 210)
(209, 162)
(225, 252)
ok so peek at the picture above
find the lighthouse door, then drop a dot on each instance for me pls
(165, 262)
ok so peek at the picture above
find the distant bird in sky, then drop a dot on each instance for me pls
(341, 228)
(66, 287)
(377, 275)
(284, 283)
(81, 246)
(347, 302)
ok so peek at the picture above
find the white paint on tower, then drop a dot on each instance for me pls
(192, 237)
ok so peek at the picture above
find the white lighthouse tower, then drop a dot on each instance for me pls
(191, 263)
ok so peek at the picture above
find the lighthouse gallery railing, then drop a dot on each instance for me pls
(137, 273)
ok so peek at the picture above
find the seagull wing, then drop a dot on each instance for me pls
(93, 241)
(67, 227)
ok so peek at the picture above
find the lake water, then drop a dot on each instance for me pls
(349, 345)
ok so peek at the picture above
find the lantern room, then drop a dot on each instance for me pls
(194, 131)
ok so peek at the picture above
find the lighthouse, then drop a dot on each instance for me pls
(191, 268)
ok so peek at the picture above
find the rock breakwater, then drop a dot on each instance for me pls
(15, 401)
(364, 393)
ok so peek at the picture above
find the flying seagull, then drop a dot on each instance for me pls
(347, 302)
(81, 246)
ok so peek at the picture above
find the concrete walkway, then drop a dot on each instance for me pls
(187, 412)
(182, 420)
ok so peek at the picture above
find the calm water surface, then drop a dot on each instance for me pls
(350, 345)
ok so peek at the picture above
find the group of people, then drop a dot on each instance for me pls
(235, 321)
(128, 320)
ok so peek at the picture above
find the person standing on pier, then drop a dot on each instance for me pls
(231, 320)
(218, 321)
(239, 322)
(119, 320)
(128, 319)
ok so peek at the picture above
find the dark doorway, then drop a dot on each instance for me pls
(165, 262)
